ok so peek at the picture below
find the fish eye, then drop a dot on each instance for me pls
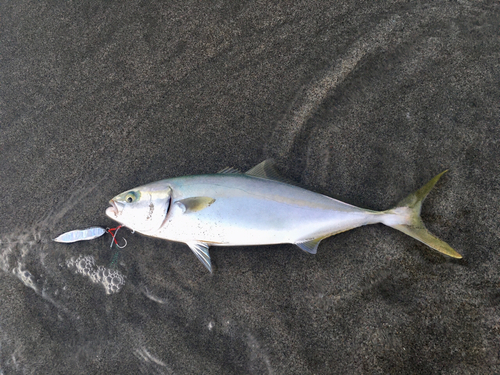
(130, 197)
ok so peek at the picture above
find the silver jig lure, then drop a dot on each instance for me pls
(80, 235)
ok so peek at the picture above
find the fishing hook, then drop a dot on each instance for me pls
(113, 232)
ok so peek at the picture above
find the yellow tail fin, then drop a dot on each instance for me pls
(416, 227)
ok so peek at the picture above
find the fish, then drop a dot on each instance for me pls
(258, 207)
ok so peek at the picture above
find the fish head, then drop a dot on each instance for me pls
(142, 209)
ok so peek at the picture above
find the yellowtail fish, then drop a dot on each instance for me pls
(258, 207)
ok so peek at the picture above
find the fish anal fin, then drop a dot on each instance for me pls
(200, 249)
(195, 204)
(310, 246)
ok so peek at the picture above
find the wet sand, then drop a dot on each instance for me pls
(359, 101)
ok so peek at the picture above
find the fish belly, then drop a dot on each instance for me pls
(253, 211)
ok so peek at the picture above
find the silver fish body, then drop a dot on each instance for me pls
(254, 211)
(253, 208)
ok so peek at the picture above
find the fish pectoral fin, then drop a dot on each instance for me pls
(194, 204)
(310, 246)
(200, 249)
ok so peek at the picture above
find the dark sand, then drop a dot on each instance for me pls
(357, 100)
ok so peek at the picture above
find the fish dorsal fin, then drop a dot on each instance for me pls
(266, 170)
(229, 170)
(310, 246)
(194, 204)
(200, 249)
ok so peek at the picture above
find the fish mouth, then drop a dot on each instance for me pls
(114, 210)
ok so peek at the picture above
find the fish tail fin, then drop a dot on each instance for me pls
(405, 217)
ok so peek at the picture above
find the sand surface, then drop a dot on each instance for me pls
(361, 100)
